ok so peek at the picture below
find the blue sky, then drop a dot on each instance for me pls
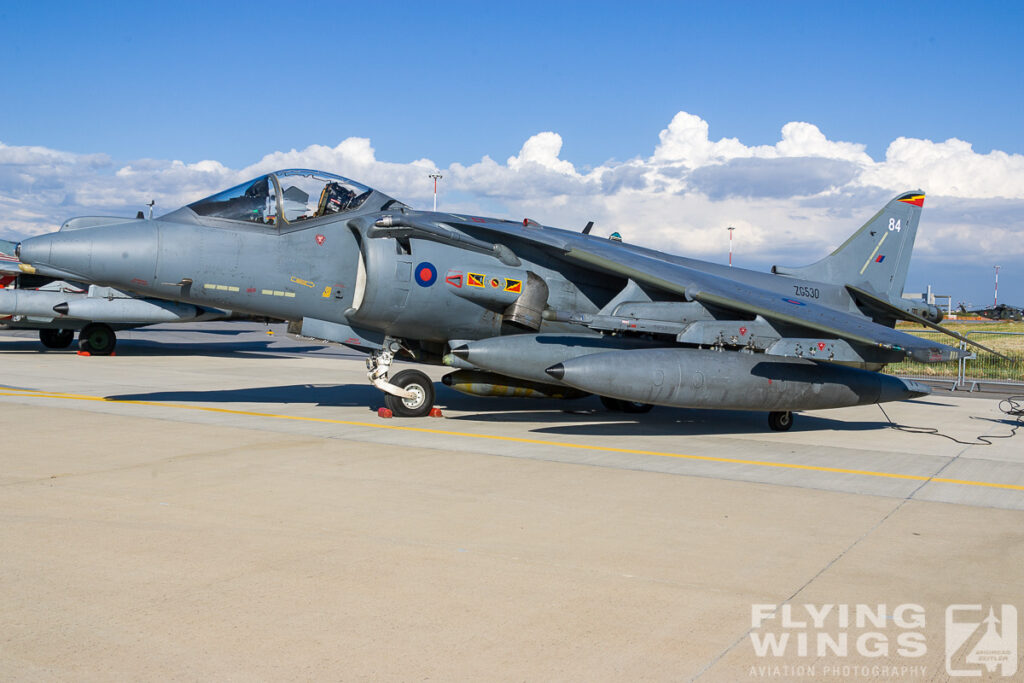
(115, 83)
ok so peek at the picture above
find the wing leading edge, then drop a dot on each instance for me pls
(694, 284)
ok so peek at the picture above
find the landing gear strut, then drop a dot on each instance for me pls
(780, 421)
(410, 393)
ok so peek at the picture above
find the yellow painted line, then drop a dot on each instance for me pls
(28, 393)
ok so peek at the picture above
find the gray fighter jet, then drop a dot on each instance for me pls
(522, 309)
(58, 309)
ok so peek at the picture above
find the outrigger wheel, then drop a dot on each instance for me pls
(420, 385)
(780, 421)
(56, 339)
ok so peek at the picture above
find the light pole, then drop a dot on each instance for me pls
(995, 300)
(730, 228)
(436, 176)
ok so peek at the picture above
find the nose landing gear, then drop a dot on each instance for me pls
(421, 389)
(410, 393)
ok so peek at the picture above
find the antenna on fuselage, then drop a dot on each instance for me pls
(152, 203)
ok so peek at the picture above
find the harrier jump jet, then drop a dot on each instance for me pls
(518, 308)
(58, 308)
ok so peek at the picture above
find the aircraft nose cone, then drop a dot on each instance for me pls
(556, 371)
(35, 250)
(116, 254)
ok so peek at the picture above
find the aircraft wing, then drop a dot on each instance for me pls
(644, 266)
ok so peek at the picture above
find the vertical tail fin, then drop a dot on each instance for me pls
(877, 256)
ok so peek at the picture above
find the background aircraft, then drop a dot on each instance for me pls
(60, 308)
(1000, 312)
(519, 308)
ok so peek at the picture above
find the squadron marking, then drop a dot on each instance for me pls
(877, 247)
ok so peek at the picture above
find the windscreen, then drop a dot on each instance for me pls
(286, 196)
(254, 201)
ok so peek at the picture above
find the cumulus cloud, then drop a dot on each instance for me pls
(790, 202)
(951, 168)
(778, 178)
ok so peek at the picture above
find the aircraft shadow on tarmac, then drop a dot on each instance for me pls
(587, 416)
(251, 349)
(591, 419)
(315, 394)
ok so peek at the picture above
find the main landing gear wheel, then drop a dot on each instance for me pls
(780, 421)
(422, 388)
(619, 406)
(97, 339)
(56, 339)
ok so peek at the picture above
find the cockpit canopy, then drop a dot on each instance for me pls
(285, 197)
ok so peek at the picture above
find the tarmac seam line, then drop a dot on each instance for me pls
(798, 591)
(908, 497)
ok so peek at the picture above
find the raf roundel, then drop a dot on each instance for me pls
(426, 274)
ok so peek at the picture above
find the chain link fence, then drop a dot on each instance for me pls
(980, 368)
